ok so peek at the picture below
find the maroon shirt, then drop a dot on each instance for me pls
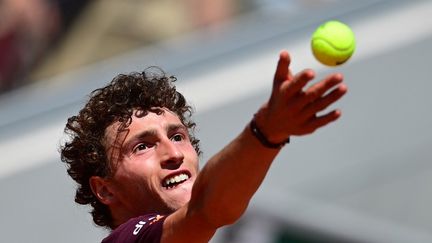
(146, 228)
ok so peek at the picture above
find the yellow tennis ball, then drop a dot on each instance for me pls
(333, 43)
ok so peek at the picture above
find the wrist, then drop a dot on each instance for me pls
(263, 139)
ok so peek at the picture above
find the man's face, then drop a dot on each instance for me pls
(156, 164)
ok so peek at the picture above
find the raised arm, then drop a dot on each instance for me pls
(229, 179)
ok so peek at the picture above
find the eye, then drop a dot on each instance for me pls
(177, 138)
(140, 147)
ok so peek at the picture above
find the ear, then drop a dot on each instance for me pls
(101, 189)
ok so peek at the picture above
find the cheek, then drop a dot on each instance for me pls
(136, 188)
(136, 177)
(191, 156)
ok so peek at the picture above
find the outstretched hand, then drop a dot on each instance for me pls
(293, 107)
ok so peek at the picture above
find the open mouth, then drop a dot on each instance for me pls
(174, 180)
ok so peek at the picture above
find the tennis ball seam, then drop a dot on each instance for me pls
(349, 47)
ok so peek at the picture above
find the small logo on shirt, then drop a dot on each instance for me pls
(150, 220)
(155, 219)
(138, 227)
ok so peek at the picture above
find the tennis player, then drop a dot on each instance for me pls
(133, 153)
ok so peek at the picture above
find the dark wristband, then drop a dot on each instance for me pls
(263, 140)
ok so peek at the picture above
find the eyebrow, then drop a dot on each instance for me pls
(151, 133)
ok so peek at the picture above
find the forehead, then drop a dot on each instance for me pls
(150, 120)
(160, 118)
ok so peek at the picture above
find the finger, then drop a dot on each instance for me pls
(323, 120)
(324, 102)
(298, 82)
(320, 88)
(282, 71)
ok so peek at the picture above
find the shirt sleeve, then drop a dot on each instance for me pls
(146, 228)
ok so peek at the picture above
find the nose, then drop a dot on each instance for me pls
(171, 155)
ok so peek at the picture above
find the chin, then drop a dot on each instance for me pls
(174, 205)
(177, 197)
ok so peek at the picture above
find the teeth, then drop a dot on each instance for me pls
(176, 179)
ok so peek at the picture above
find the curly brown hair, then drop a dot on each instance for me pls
(85, 154)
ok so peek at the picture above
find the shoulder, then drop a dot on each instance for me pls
(146, 228)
